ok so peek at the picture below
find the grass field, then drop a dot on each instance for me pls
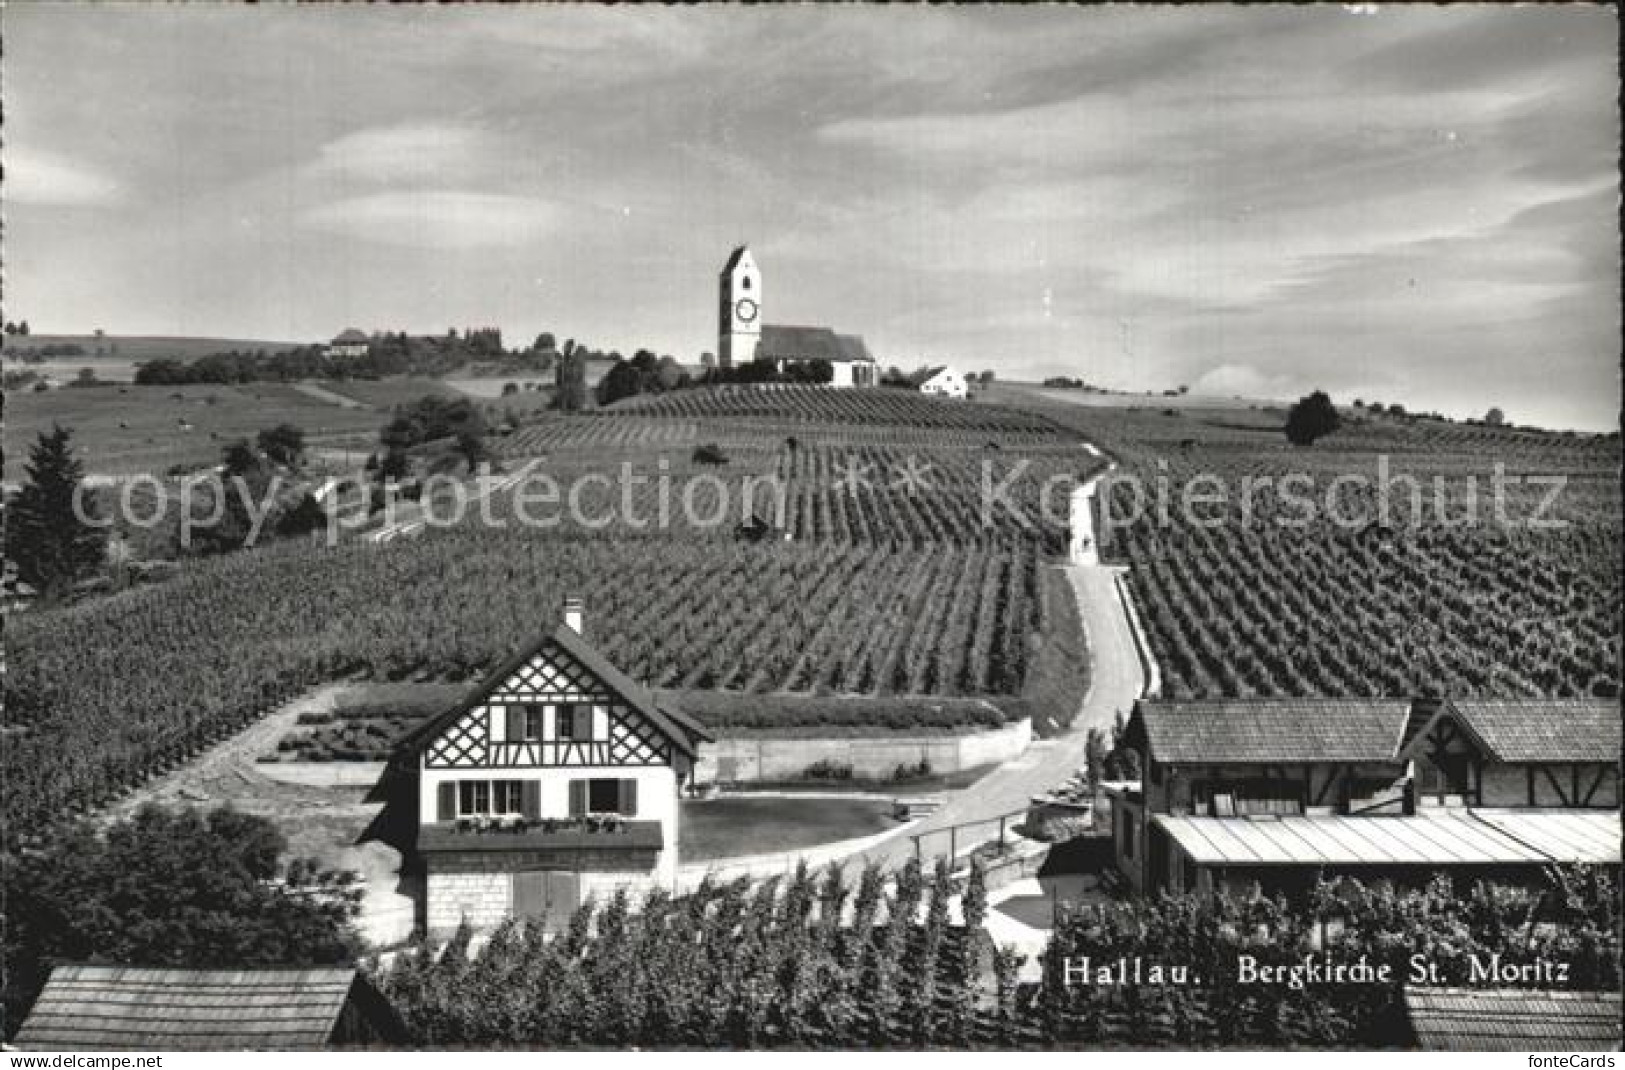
(122, 430)
(114, 357)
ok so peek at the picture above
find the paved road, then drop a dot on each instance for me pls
(1115, 682)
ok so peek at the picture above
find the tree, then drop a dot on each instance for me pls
(1311, 418)
(11, 328)
(170, 888)
(22, 328)
(987, 377)
(471, 446)
(570, 380)
(510, 389)
(545, 342)
(1495, 418)
(283, 444)
(54, 531)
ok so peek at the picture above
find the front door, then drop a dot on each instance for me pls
(548, 896)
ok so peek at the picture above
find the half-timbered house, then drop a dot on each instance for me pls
(1278, 791)
(556, 779)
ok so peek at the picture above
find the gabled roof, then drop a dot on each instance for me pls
(735, 257)
(119, 1008)
(922, 376)
(350, 337)
(1544, 730)
(854, 348)
(683, 731)
(785, 342)
(1271, 730)
(1509, 1019)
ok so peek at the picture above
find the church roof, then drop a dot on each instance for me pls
(735, 257)
(854, 347)
(786, 342)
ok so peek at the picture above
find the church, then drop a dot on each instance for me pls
(742, 336)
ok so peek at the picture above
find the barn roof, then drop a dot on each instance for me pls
(121, 1008)
(1544, 730)
(1506, 1019)
(350, 337)
(1271, 730)
(683, 730)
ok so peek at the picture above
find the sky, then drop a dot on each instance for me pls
(1414, 204)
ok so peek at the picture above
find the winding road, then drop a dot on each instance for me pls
(1115, 682)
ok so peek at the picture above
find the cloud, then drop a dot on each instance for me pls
(412, 152)
(33, 176)
(439, 219)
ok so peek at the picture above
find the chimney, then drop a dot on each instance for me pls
(572, 614)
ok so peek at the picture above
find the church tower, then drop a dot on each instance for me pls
(740, 326)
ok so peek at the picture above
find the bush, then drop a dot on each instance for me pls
(710, 453)
(825, 769)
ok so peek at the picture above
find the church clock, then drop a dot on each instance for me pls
(746, 309)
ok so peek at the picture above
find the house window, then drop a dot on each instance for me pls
(490, 798)
(604, 796)
(533, 722)
(524, 724)
(574, 723)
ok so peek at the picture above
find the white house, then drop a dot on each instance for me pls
(742, 336)
(941, 381)
(349, 343)
(555, 780)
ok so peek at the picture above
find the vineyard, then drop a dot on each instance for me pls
(1447, 587)
(813, 962)
(102, 695)
(611, 478)
(825, 405)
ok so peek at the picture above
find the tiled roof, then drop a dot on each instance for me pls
(854, 348)
(1506, 1019)
(1273, 730)
(1545, 730)
(782, 342)
(681, 729)
(114, 1008)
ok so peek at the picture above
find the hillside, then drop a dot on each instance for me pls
(135, 347)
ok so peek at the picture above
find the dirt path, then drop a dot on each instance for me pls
(322, 823)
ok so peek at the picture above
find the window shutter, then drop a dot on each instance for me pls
(446, 803)
(516, 724)
(629, 798)
(530, 800)
(582, 729)
(578, 798)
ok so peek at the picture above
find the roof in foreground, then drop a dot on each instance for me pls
(1472, 837)
(1509, 1019)
(120, 1008)
(1275, 730)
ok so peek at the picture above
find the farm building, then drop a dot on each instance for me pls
(349, 343)
(555, 780)
(1507, 1019)
(940, 381)
(121, 1008)
(1278, 791)
(742, 336)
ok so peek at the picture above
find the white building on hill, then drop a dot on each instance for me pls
(941, 381)
(742, 336)
(349, 343)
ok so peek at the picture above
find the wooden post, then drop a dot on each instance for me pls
(1002, 820)
(953, 840)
